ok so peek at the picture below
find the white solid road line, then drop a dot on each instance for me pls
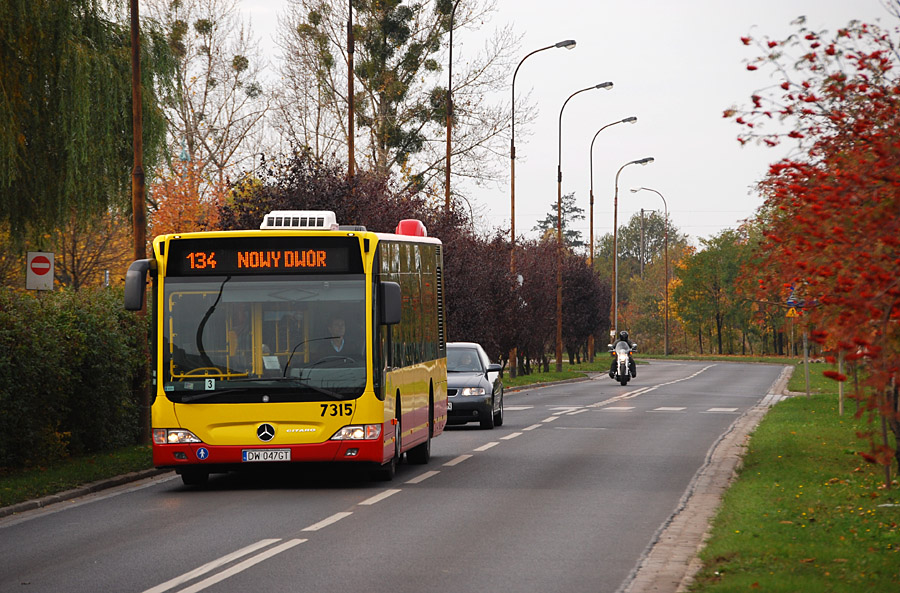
(216, 578)
(210, 566)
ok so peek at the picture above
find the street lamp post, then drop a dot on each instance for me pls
(568, 44)
(449, 113)
(627, 120)
(643, 161)
(666, 273)
(559, 241)
(350, 117)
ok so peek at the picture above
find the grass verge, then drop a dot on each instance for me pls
(806, 513)
(22, 485)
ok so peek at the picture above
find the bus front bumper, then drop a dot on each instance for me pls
(200, 454)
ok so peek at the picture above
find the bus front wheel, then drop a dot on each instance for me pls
(194, 477)
(386, 472)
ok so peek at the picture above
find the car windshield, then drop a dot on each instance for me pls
(463, 360)
(264, 338)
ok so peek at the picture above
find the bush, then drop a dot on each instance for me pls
(68, 361)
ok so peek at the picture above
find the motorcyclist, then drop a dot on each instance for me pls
(632, 367)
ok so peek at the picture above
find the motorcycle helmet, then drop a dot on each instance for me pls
(623, 335)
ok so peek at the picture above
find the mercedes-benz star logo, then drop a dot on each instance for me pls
(265, 432)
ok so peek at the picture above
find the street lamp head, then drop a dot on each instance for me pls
(629, 120)
(604, 85)
(644, 161)
(568, 44)
(636, 189)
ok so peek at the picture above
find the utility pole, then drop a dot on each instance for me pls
(138, 207)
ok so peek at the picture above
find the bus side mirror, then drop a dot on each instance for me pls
(390, 298)
(136, 284)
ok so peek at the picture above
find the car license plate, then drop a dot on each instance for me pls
(449, 406)
(266, 454)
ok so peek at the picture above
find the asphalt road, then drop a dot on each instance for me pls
(566, 496)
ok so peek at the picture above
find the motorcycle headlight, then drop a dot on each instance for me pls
(472, 391)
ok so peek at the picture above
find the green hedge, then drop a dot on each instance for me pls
(70, 363)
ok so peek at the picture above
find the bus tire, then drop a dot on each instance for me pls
(387, 471)
(194, 477)
(421, 454)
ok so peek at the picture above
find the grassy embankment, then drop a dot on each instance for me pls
(806, 512)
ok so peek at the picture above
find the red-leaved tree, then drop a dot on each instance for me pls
(832, 213)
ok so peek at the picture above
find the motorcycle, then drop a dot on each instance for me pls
(622, 370)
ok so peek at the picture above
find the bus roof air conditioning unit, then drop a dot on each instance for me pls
(323, 220)
(411, 227)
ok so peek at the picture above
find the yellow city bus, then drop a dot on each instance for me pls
(303, 341)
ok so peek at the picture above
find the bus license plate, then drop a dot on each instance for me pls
(266, 454)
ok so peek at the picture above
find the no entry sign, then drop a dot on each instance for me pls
(39, 272)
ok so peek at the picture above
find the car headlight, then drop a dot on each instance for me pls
(358, 433)
(173, 436)
(472, 391)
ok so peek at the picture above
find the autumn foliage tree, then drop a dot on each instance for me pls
(183, 201)
(831, 214)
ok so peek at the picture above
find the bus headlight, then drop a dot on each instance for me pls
(472, 391)
(358, 433)
(173, 436)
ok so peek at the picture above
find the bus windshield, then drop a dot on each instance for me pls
(241, 339)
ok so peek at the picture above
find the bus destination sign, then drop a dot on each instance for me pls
(282, 255)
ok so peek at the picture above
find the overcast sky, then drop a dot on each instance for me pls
(676, 66)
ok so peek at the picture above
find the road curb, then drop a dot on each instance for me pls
(92, 487)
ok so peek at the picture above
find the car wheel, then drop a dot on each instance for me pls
(498, 415)
(487, 421)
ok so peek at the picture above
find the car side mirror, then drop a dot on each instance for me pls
(494, 368)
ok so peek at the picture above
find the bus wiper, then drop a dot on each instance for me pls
(200, 349)
(302, 383)
(205, 394)
(288, 363)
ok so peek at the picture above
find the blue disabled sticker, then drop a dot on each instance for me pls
(202, 453)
